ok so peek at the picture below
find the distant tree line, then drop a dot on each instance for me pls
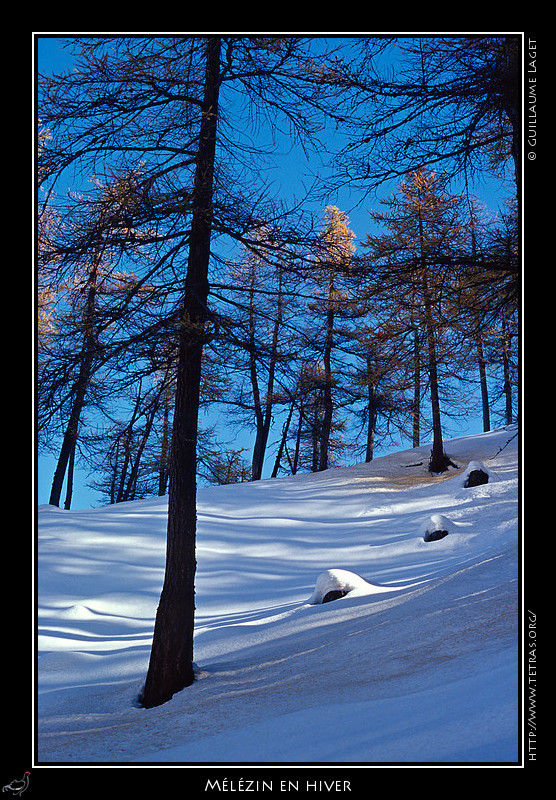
(320, 360)
(171, 280)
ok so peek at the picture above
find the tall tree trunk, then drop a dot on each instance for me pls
(416, 405)
(327, 391)
(171, 661)
(115, 471)
(70, 436)
(131, 487)
(483, 383)
(69, 486)
(438, 461)
(163, 468)
(507, 380)
(80, 387)
(283, 441)
(298, 437)
(264, 419)
(371, 411)
(260, 443)
(127, 441)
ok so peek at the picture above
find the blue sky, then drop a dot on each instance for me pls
(53, 57)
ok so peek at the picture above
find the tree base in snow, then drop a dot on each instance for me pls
(439, 464)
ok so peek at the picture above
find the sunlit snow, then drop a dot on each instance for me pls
(416, 663)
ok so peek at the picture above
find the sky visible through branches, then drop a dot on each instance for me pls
(289, 177)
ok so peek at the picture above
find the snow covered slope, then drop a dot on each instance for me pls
(418, 663)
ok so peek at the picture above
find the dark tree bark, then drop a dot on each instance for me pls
(127, 439)
(483, 383)
(416, 405)
(164, 448)
(507, 380)
(263, 410)
(372, 413)
(171, 662)
(283, 439)
(438, 461)
(79, 391)
(328, 405)
(69, 485)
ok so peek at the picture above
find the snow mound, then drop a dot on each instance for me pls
(398, 671)
(437, 527)
(477, 467)
(339, 582)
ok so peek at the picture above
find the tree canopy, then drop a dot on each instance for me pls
(175, 276)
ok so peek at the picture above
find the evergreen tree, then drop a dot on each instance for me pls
(158, 100)
(255, 338)
(378, 381)
(86, 292)
(423, 230)
(221, 466)
(332, 301)
(302, 436)
(452, 103)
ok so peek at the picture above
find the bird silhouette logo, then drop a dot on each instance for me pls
(17, 787)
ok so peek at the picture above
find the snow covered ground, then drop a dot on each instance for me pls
(418, 663)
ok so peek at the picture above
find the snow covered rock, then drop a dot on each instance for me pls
(475, 475)
(336, 583)
(437, 528)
